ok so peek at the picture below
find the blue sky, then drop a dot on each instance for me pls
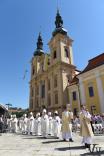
(20, 22)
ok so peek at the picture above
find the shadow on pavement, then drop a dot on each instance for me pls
(55, 141)
(70, 148)
(93, 154)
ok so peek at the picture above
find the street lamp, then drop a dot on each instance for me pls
(8, 104)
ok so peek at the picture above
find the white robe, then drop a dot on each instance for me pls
(56, 126)
(31, 124)
(21, 124)
(37, 126)
(44, 125)
(14, 125)
(10, 124)
(25, 124)
(50, 125)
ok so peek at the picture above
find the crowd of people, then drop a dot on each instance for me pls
(52, 125)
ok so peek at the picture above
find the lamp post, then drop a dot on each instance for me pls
(8, 104)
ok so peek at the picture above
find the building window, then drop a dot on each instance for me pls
(54, 54)
(91, 91)
(56, 97)
(43, 91)
(33, 70)
(37, 103)
(32, 92)
(74, 96)
(66, 52)
(49, 85)
(49, 100)
(55, 81)
(31, 104)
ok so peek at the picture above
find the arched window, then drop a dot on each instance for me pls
(33, 70)
(54, 54)
(56, 97)
(55, 81)
(66, 52)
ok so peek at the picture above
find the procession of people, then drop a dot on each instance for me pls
(46, 124)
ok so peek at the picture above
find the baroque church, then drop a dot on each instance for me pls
(55, 80)
(51, 72)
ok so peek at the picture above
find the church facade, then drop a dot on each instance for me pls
(51, 73)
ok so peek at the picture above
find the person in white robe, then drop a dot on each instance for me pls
(21, 124)
(14, 124)
(37, 125)
(50, 123)
(56, 125)
(10, 122)
(44, 124)
(25, 119)
(31, 124)
(67, 124)
(85, 126)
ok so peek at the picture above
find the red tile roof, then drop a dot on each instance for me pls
(95, 62)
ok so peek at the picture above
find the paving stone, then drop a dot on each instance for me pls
(22, 145)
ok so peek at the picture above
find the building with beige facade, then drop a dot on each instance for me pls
(87, 88)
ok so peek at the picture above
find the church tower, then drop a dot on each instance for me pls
(62, 59)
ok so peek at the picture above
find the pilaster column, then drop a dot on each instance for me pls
(60, 88)
(82, 92)
(52, 94)
(100, 91)
(39, 93)
(46, 91)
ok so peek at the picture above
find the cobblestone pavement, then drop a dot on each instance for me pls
(23, 145)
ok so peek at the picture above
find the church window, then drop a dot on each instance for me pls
(37, 103)
(91, 91)
(49, 100)
(43, 91)
(55, 81)
(66, 52)
(54, 54)
(31, 104)
(56, 97)
(32, 92)
(33, 71)
(74, 96)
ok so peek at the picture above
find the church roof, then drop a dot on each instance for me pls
(95, 62)
(39, 51)
(59, 25)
